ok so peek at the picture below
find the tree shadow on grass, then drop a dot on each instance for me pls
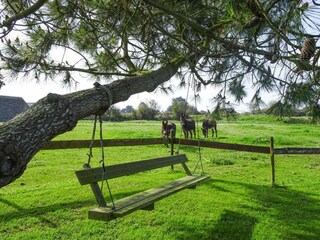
(259, 212)
(233, 225)
(40, 211)
(297, 211)
(37, 212)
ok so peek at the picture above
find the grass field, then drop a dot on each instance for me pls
(47, 202)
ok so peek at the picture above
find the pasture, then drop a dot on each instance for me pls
(238, 202)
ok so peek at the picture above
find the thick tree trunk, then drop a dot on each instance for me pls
(22, 137)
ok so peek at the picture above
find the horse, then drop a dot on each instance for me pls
(206, 125)
(167, 128)
(188, 125)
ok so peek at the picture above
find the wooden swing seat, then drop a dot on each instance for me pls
(143, 200)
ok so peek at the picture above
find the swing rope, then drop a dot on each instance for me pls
(90, 154)
(185, 110)
(102, 161)
(198, 134)
(197, 126)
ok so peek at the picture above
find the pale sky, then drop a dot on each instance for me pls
(31, 92)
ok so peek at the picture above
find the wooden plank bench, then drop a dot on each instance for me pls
(143, 200)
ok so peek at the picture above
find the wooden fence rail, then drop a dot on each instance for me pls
(68, 144)
(228, 146)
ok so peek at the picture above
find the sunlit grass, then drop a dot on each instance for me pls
(47, 202)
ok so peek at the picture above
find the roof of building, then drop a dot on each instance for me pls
(11, 107)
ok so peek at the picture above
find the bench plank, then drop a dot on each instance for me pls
(92, 175)
(144, 200)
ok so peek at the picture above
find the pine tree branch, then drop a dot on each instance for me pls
(23, 14)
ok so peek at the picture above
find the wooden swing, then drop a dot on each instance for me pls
(144, 200)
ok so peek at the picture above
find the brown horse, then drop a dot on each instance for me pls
(167, 128)
(188, 125)
(206, 125)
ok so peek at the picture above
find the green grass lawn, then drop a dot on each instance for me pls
(47, 202)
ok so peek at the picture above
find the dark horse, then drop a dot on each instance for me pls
(188, 125)
(206, 125)
(167, 128)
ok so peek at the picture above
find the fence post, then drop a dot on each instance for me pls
(171, 145)
(272, 161)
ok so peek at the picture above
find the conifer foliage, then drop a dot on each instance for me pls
(233, 46)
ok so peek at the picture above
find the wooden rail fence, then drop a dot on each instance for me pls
(69, 144)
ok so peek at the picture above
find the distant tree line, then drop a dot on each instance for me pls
(151, 110)
(282, 110)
